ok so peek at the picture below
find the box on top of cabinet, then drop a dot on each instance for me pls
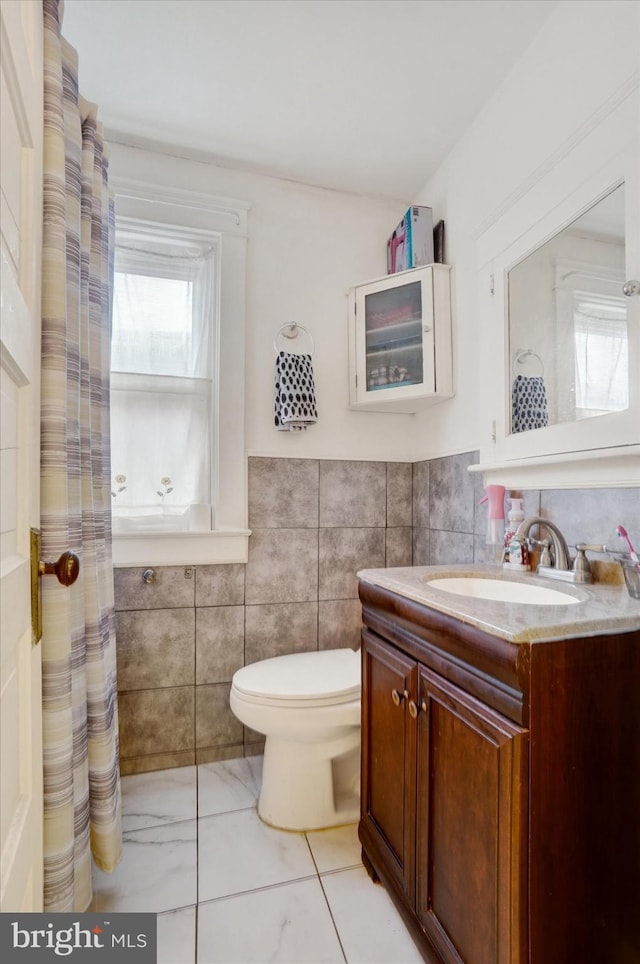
(411, 244)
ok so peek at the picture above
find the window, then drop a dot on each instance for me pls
(178, 467)
(165, 323)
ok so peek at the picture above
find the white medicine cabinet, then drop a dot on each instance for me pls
(400, 357)
(559, 317)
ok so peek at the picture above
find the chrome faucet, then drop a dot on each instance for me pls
(558, 565)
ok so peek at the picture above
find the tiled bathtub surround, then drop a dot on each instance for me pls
(314, 525)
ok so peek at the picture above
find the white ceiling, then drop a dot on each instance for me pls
(359, 95)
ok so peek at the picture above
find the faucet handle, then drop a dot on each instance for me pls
(581, 563)
(545, 555)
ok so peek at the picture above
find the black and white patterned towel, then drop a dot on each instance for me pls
(295, 393)
(528, 403)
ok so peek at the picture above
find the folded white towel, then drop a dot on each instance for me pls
(295, 407)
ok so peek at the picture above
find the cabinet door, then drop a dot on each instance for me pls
(392, 318)
(471, 827)
(388, 759)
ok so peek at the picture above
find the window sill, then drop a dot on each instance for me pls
(181, 548)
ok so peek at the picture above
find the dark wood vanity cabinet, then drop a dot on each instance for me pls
(501, 787)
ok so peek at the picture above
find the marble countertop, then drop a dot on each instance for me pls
(600, 609)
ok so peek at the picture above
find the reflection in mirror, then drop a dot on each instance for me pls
(568, 341)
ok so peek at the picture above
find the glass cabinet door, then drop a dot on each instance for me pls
(393, 337)
(400, 355)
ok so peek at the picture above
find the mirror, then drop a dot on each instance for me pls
(567, 323)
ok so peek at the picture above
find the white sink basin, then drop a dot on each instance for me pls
(503, 590)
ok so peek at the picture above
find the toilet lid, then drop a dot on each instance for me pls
(329, 674)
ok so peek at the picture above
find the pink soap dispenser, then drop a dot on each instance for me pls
(494, 549)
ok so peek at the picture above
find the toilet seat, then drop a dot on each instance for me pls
(324, 678)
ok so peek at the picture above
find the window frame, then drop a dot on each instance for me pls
(223, 220)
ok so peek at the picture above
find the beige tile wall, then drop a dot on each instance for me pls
(180, 639)
(449, 524)
(314, 524)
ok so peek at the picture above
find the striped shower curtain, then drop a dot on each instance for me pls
(80, 716)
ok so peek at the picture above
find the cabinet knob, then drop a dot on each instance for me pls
(398, 697)
(414, 709)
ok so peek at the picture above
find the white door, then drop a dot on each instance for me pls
(20, 678)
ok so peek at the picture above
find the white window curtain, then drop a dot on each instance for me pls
(162, 367)
(601, 355)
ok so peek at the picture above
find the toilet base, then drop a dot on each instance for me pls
(311, 786)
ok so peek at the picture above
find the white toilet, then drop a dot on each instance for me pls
(308, 707)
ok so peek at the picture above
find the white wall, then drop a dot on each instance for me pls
(583, 55)
(306, 247)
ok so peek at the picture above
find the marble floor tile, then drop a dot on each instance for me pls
(177, 936)
(158, 871)
(290, 924)
(229, 785)
(371, 930)
(153, 799)
(238, 852)
(335, 849)
(265, 894)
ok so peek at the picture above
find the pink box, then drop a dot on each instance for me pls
(411, 244)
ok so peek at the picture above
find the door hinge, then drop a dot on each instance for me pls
(492, 285)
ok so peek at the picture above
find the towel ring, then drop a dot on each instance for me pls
(292, 330)
(523, 353)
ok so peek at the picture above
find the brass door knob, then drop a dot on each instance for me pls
(413, 710)
(67, 568)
